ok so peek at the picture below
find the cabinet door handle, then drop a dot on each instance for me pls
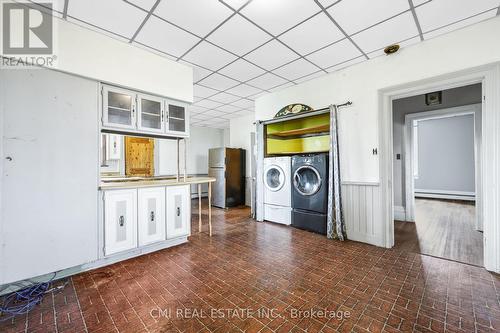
(152, 216)
(162, 115)
(178, 211)
(121, 221)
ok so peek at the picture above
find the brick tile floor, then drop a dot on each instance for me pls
(262, 277)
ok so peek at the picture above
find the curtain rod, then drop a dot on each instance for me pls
(301, 115)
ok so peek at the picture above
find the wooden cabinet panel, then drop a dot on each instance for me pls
(139, 156)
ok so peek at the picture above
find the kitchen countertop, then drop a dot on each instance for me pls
(110, 183)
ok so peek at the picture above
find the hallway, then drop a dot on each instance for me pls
(443, 229)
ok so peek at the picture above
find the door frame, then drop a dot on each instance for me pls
(409, 154)
(489, 77)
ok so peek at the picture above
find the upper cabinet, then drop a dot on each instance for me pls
(151, 114)
(118, 108)
(178, 122)
(125, 110)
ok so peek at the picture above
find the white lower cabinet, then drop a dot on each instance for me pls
(120, 216)
(178, 211)
(138, 217)
(151, 212)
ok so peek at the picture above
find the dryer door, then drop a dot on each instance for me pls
(307, 180)
(274, 178)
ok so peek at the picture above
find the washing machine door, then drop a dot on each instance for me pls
(307, 180)
(274, 178)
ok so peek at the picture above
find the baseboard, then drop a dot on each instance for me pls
(450, 195)
(399, 213)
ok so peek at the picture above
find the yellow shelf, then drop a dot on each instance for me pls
(302, 131)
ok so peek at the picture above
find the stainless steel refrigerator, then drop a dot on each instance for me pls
(227, 165)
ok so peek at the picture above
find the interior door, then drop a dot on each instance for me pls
(151, 215)
(178, 211)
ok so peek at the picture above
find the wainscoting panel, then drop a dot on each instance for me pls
(362, 211)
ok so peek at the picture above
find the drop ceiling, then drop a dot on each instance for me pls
(240, 50)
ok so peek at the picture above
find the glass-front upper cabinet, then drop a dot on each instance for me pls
(118, 107)
(151, 113)
(178, 119)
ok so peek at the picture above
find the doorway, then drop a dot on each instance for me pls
(488, 76)
(437, 173)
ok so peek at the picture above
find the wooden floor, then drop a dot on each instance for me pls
(443, 229)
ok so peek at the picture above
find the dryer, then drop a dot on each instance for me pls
(310, 192)
(277, 189)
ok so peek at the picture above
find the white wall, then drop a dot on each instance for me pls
(361, 84)
(94, 55)
(446, 155)
(461, 96)
(240, 137)
(200, 141)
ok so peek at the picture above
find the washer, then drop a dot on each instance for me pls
(310, 192)
(277, 192)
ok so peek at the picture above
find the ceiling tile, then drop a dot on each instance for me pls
(345, 64)
(243, 113)
(278, 15)
(219, 82)
(193, 109)
(255, 96)
(419, 2)
(201, 91)
(243, 90)
(296, 69)
(436, 14)
(235, 4)
(231, 115)
(165, 37)
(125, 20)
(224, 98)
(310, 77)
(206, 103)
(239, 36)
(461, 24)
(228, 108)
(283, 86)
(312, 34)
(209, 56)
(355, 15)
(244, 103)
(272, 55)
(335, 54)
(144, 4)
(242, 70)
(395, 30)
(267, 81)
(327, 3)
(214, 113)
(199, 17)
(198, 72)
(203, 116)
